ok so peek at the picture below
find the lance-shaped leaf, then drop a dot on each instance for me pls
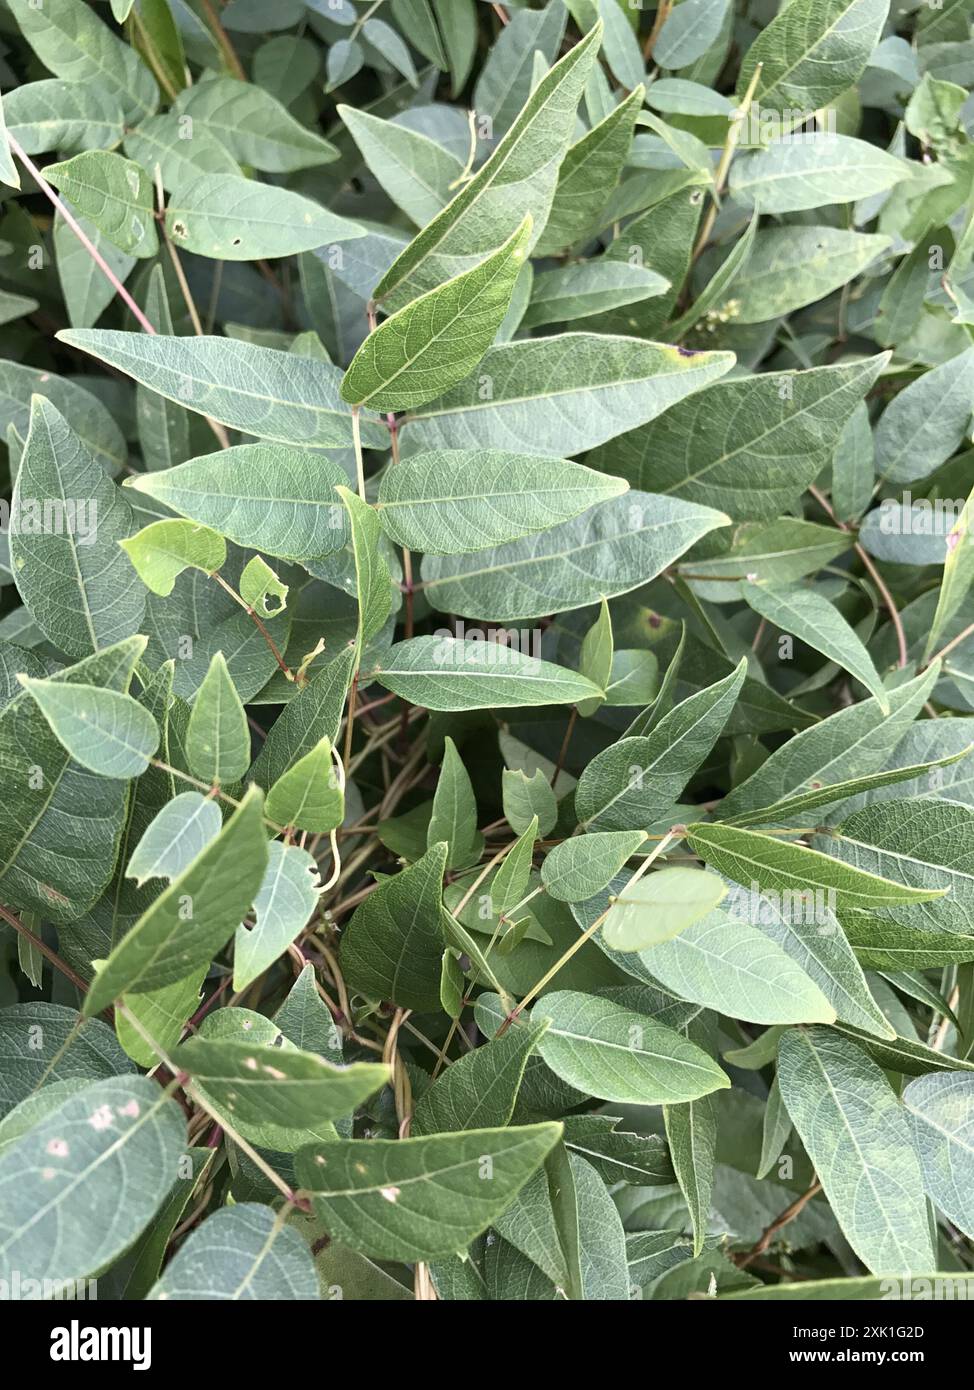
(66, 520)
(858, 1137)
(414, 1199)
(264, 496)
(276, 1085)
(163, 549)
(253, 125)
(452, 501)
(176, 835)
(588, 172)
(416, 171)
(392, 946)
(812, 619)
(660, 907)
(526, 799)
(607, 551)
(480, 1090)
(271, 394)
(230, 218)
(750, 445)
(373, 583)
(61, 1181)
(791, 175)
(451, 673)
(454, 815)
(790, 267)
(561, 395)
(313, 714)
(106, 731)
(308, 796)
(194, 917)
(437, 339)
(114, 193)
(218, 739)
(241, 1252)
(581, 866)
(59, 823)
(748, 857)
(613, 1053)
(633, 782)
(619, 1155)
(72, 42)
(56, 115)
(908, 446)
(942, 1111)
(592, 287)
(285, 901)
(811, 54)
(519, 178)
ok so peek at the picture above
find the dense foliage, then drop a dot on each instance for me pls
(487, 649)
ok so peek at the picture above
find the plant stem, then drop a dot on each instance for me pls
(357, 446)
(726, 158)
(257, 621)
(220, 34)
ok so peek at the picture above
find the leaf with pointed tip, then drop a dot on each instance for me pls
(314, 713)
(242, 1252)
(519, 178)
(451, 673)
(194, 917)
(308, 796)
(276, 1085)
(117, 1136)
(105, 731)
(612, 548)
(218, 739)
(812, 619)
(858, 1137)
(615, 1054)
(561, 395)
(414, 1199)
(285, 901)
(791, 175)
(274, 395)
(253, 125)
(69, 116)
(79, 588)
(230, 218)
(908, 445)
(71, 1051)
(454, 815)
(660, 907)
(635, 781)
(452, 501)
(480, 1090)
(173, 839)
(526, 799)
(373, 582)
(163, 549)
(114, 193)
(416, 171)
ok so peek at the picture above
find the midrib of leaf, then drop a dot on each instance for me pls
(757, 439)
(15, 853)
(594, 1041)
(774, 951)
(431, 1175)
(259, 1259)
(866, 1169)
(86, 1173)
(901, 858)
(806, 54)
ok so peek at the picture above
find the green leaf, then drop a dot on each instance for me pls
(308, 795)
(527, 799)
(314, 713)
(275, 1085)
(114, 193)
(274, 395)
(580, 867)
(415, 171)
(612, 548)
(908, 446)
(285, 901)
(660, 907)
(275, 499)
(72, 42)
(811, 54)
(595, 657)
(68, 116)
(449, 673)
(194, 917)
(392, 946)
(635, 781)
(253, 125)
(791, 175)
(619, 1155)
(66, 518)
(517, 180)
(618, 1055)
(414, 1199)
(105, 731)
(479, 1091)
(812, 619)
(218, 739)
(858, 1137)
(59, 823)
(173, 839)
(438, 338)
(373, 583)
(230, 218)
(561, 395)
(591, 287)
(749, 445)
(261, 589)
(454, 816)
(161, 551)
(51, 1045)
(690, 29)
(942, 1111)
(241, 1252)
(790, 267)
(691, 1132)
